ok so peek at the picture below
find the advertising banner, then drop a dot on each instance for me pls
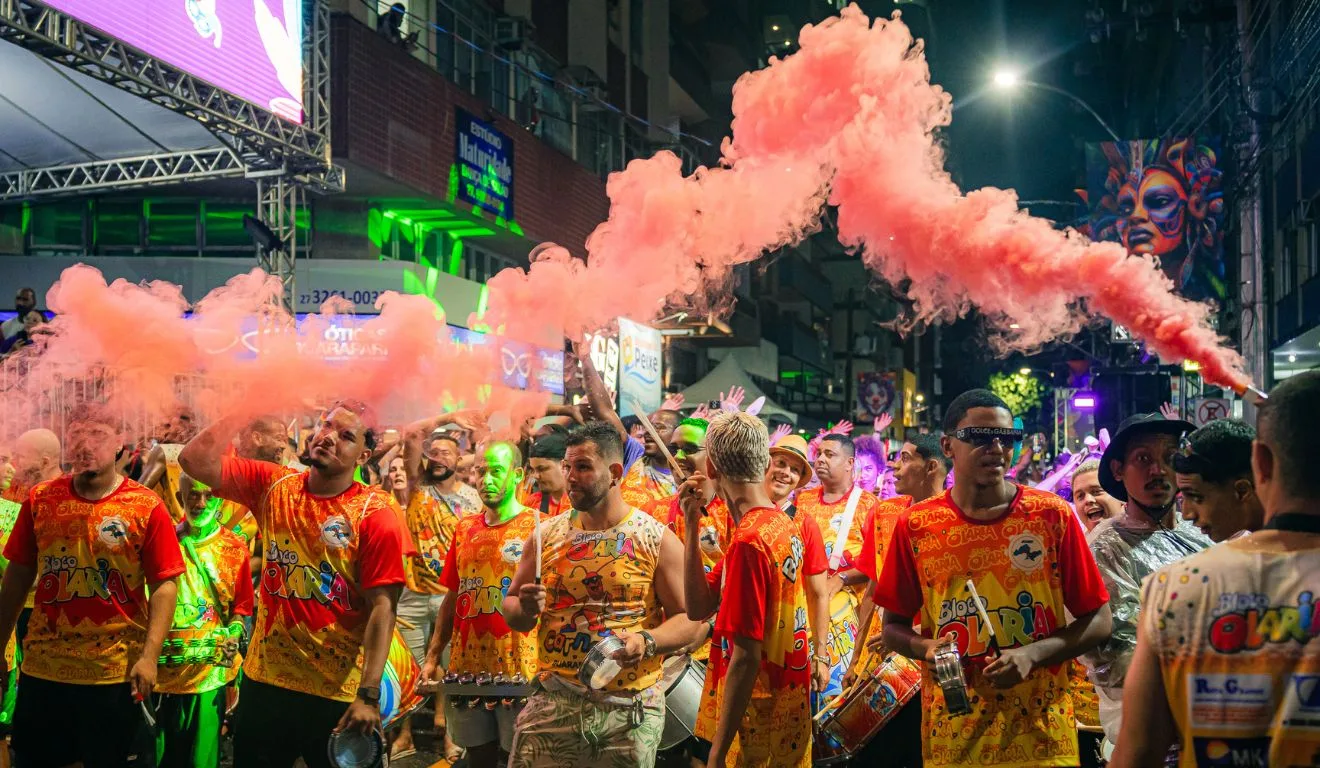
(639, 367)
(877, 394)
(484, 158)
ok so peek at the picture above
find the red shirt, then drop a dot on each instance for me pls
(1029, 566)
(320, 555)
(878, 531)
(763, 597)
(94, 560)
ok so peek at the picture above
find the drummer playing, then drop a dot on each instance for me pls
(479, 565)
(1024, 552)
(607, 570)
(756, 707)
(332, 577)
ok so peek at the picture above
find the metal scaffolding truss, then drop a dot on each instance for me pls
(123, 173)
(263, 140)
(278, 201)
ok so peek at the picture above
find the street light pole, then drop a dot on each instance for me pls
(1006, 79)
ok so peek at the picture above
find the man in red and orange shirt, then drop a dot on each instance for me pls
(331, 579)
(478, 569)
(840, 510)
(756, 708)
(1024, 552)
(545, 464)
(96, 544)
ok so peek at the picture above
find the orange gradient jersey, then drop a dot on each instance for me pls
(762, 597)
(431, 524)
(715, 534)
(93, 561)
(554, 506)
(321, 554)
(478, 570)
(878, 531)
(829, 517)
(642, 485)
(599, 583)
(1029, 566)
(1237, 633)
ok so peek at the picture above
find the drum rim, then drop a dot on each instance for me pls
(374, 736)
(595, 657)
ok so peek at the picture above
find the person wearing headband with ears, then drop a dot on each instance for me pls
(1024, 553)
(105, 550)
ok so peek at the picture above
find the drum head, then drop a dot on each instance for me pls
(599, 669)
(354, 749)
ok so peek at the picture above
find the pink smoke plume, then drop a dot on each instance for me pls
(134, 348)
(850, 120)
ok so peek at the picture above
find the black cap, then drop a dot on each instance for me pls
(1140, 424)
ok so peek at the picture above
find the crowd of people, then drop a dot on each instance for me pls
(1148, 602)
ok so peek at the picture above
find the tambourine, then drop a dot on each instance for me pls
(599, 669)
(355, 749)
(949, 674)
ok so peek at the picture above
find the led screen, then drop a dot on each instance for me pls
(250, 48)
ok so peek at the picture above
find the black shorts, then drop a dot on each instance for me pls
(57, 724)
(275, 726)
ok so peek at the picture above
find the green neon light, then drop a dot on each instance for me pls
(470, 232)
(456, 256)
(482, 300)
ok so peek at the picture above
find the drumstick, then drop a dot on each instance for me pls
(985, 618)
(404, 623)
(536, 512)
(650, 430)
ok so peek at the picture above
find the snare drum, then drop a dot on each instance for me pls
(849, 722)
(684, 679)
(949, 674)
(398, 686)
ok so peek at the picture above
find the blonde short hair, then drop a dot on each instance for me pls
(739, 447)
(1090, 465)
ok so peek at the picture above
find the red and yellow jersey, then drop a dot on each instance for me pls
(17, 492)
(214, 589)
(1237, 633)
(1086, 702)
(829, 517)
(431, 524)
(555, 506)
(236, 518)
(598, 583)
(94, 560)
(878, 530)
(762, 597)
(715, 533)
(321, 554)
(1029, 566)
(643, 484)
(478, 570)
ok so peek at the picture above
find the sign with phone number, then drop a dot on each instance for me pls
(317, 296)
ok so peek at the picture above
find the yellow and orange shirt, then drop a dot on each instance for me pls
(714, 536)
(321, 554)
(762, 597)
(1030, 566)
(214, 590)
(1237, 633)
(555, 506)
(168, 484)
(643, 483)
(239, 520)
(1086, 702)
(829, 517)
(598, 583)
(430, 522)
(478, 570)
(94, 560)
(878, 531)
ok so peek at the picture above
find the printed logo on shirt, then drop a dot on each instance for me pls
(62, 580)
(794, 561)
(475, 598)
(336, 532)
(1231, 702)
(286, 577)
(710, 539)
(1232, 752)
(512, 551)
(1301, 703)
(1030, 620)
(112, 531)
(1026, 552)
(1247, 621)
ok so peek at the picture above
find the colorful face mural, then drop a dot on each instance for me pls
(1163, 198)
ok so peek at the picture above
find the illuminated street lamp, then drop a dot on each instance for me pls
(1008, 79)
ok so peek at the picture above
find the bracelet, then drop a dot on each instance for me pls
(821, 659)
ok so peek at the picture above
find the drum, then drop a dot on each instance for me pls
(398, 686)
(949, 674)
(684, 679)
(599, 668)
(841, 639)
(353, 749)
(849, 722)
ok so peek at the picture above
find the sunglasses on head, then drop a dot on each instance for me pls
(982, 437)
(1187, 460)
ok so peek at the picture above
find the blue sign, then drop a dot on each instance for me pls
(484, 158)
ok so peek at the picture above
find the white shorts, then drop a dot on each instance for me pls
(469, 728)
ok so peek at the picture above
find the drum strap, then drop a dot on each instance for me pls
(841, 538)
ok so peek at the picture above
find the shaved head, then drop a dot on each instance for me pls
(37, 455)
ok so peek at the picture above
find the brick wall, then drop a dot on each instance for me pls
(394, 115)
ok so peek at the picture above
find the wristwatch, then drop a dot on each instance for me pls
(650, 645)
(369, 695)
